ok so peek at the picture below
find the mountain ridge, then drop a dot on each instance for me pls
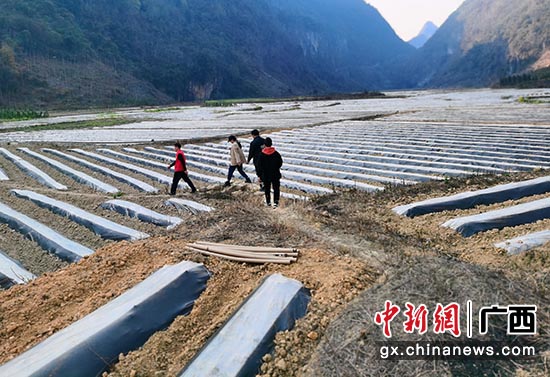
(159, 51)
(427, 31)
(483, 41)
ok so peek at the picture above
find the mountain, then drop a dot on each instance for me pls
(75, 53)
(483, 41)
(426, 33)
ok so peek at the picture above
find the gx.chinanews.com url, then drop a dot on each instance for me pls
(466, 350)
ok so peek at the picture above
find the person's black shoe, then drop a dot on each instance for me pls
(193, 191)
(276, 205)
(226, 184)
(248, 181)
(268, 204)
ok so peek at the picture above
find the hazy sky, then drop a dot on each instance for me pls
(407, 17)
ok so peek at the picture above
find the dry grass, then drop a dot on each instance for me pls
(350, 347)
(350, 238)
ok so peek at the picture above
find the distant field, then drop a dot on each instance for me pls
(348, 165)
(232, 102)
(199, 123)
(82, 124)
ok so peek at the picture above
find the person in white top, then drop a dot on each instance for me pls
(237, 161)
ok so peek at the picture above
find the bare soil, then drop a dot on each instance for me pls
(349, 241)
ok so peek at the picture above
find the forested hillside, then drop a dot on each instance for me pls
(74, 53)
(483, 41)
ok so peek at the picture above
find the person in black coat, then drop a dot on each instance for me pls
(269, 165)
(255, 150)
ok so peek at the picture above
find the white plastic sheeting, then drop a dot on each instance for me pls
(213, 163)
(78, 176)
(394, 149)
(11, 272)
(511, 216)
(99, 225)
(458, 136)
(89, 346)
(136, 183)
(32, 170)
(470, 199)
(295, 172)
(366, 155)
(214, 166)
(46, 237)
(470, 111)
(351, 163)
(439, 150)
(213, 179)
(158, 165)
(383, 137)
(326, 169)
(144, 214)
(164, 179)
(237, 348)
(188, 205)
(521, 244)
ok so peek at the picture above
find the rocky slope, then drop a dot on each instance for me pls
(65, 53)
(483, 41)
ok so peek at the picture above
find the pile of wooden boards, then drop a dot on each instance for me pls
(246, 254)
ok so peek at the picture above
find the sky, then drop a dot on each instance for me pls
(407, 17)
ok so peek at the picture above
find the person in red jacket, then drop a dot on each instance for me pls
(180, 170)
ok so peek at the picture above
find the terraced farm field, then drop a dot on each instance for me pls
(368, 186)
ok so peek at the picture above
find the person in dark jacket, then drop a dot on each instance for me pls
(254, 152)
(269, 165)
(180, 170)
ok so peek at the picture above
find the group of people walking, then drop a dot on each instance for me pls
(267, 163)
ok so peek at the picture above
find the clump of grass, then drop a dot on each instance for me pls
(162, 109)
(18, 114)
(256, 108)
(533, 100)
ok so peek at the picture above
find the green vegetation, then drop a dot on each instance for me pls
(482, 42)
(535, 79)
(14, 114)
(80, 53)
(255, 108)
(233, 102)
(107, 122)
(533, 100)
(163, 109)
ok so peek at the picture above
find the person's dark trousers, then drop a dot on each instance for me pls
(276, 190)
(239, 168)
(177, 177)
(255, 161)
